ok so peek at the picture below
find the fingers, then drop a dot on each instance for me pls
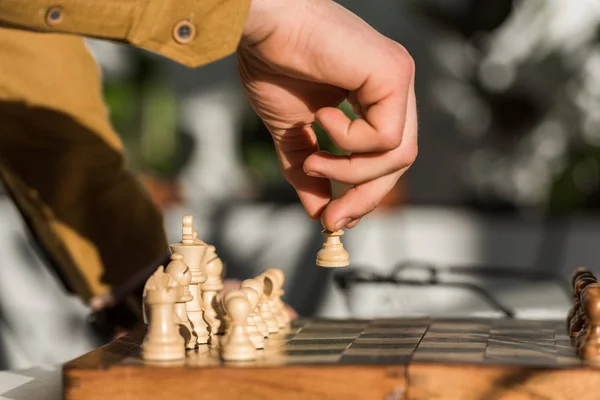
(357, 202)
(293, 146)
(362, 167)
(382, 101)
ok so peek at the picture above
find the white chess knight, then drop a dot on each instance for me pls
(182, 275)
(193, 251)
(237, 345)
(163, 341)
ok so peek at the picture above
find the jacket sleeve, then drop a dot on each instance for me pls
(191, 32)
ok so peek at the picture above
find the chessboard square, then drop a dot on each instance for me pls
(311, 352)
(449, 327)
(520, 345)
(326, 335)
(455, 339)
(391, 335)
(391, 323)
(377, 351)
(452, 345)
(409, 340)
(328, 332)
(338, 347)
(319, 342)
(389, 331)
(519, 353)
(284, 360)
(381, 345)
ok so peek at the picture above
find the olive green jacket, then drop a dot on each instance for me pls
(60, 159)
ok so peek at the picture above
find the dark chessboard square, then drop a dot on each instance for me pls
(382, 346)
(391, 323)
(319, 342)
(395, 330)
(311, 352)
(415, 336)
(324, 335)
(521, 345)
(455, 339)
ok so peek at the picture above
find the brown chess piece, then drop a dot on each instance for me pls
(575, 277)
(578, 317)
(589, 342)
(333, 254)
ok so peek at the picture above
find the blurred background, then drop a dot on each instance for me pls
(499, 208)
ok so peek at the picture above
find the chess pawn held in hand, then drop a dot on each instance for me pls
(182, 275)
(163, 341)
(333, 254)
(193, 253)
(589, 342)
(238, 346)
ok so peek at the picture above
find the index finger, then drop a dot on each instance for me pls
(383, 98)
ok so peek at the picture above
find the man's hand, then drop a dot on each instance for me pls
(298, 61)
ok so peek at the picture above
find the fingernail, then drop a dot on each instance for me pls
(315, 174)
(342, 223)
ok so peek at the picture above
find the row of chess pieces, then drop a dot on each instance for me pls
(183, 308)
(583, 321)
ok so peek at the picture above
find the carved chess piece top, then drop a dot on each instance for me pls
(238, 346)
(333, 254)
(162, 341)
(213, 268)
(180, 272)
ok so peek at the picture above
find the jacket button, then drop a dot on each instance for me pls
(184, 32)
(54, 16)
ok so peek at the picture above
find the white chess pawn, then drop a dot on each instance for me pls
(260, 322)
(277, 278)
(182, 275)
(192, 253)
(163, 341)
(226, 320)
(238, 346)
(265, 305)
(333, 254)
(255, 336)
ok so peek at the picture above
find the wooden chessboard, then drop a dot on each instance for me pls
(408, 359)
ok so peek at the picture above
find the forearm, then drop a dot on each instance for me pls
(190, 32)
